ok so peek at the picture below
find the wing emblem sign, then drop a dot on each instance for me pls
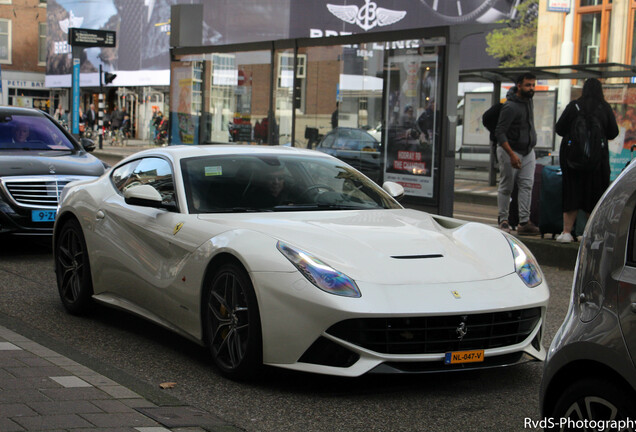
(367, 16)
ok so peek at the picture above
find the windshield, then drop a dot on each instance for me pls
(38, 133)
(216, 184)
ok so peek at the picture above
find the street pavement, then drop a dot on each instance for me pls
(42, 389)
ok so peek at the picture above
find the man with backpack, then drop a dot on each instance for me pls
(586, 125)
(516, 138)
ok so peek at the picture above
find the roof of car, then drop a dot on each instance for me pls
(186, 151)
(4, 110)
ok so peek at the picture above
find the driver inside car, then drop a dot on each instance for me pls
(20, 133)
(273, 188)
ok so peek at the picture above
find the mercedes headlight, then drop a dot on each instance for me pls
(320, 274)
(525, 264)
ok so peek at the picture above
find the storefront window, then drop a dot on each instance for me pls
(374, 105)
(5, 41)
(633, 56)
(42, 44)
(589, 50)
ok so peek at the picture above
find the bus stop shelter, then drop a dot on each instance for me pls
(613, 74)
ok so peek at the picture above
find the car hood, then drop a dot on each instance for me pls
(60, 163)
(390, 246)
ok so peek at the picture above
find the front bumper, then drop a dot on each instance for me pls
(302, 325)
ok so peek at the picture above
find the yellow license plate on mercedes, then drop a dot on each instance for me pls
(464, 357)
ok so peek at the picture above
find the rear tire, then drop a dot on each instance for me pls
(72, 269)
(232, 322)
(593, 399)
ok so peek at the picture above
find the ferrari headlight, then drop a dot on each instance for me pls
(320, 274)
(525, 264)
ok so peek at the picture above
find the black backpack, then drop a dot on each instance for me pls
(585, 142)
(490, 118)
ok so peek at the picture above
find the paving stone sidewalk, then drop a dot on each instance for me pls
(42, 390)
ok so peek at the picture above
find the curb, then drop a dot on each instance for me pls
(549, 252)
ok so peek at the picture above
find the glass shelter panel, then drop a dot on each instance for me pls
(224, 97)
(283, 96)
(316, 92)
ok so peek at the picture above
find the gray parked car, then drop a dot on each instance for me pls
(355, 147)
(38, 157)
(589, 376)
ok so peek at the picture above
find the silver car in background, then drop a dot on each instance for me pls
(589, 380)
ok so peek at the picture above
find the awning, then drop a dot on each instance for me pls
(581, 71)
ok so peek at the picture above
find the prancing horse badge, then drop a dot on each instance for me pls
(177, 227)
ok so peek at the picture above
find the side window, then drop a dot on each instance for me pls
(155, 172)
(121, 175)
(328, 141)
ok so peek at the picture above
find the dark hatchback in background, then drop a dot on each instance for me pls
(38, 158)
(355, 147)
(589, 376)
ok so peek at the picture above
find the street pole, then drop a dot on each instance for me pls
(100, 110)
(567, 54)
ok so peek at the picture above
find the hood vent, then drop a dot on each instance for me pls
(418, 256)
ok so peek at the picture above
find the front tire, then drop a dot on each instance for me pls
(593, 399)
(73, 270)
(232, 322)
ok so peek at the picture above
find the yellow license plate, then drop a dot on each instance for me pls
(464, 357)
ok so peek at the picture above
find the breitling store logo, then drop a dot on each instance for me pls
(366, 16)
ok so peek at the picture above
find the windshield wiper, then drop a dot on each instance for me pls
(239, 210)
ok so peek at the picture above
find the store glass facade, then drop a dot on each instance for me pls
(295, 95)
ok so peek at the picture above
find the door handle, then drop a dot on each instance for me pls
(99, 215)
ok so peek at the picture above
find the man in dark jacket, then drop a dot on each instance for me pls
(116, 118)
(90, 117)
(516, 138)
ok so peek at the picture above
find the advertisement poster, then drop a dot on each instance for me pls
(142, 54)
(412, 130)
(623, 99)
(475, 105)
(544, 118)
(184, 124)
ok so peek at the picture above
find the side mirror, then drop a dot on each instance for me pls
(87, 144)
(143, 195)
(147, 196)
(396, 190)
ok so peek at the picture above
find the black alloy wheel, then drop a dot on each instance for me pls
(73, 269)
(590, 401)
(232, 322)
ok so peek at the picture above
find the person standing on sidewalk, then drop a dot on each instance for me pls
(583, 188)
(516, 138)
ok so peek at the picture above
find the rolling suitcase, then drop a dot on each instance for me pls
(551, 207)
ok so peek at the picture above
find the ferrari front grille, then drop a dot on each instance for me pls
(438, 334)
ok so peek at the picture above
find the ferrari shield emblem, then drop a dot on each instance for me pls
(456, 294)
(177, 227)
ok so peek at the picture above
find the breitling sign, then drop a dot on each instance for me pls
(366, 16)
